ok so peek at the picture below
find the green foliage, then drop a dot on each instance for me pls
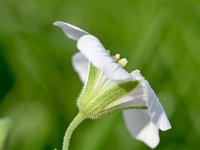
(5, 125)
(39, 87)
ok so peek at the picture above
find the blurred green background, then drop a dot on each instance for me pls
(38, 86)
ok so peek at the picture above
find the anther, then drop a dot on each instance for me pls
(123, 62)
(116, 57)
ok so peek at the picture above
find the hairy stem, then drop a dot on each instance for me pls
(73, 125)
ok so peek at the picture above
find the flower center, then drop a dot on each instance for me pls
(122, 62)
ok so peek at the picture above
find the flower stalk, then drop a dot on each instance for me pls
(73, 125)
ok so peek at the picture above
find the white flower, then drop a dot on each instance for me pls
(109, 87)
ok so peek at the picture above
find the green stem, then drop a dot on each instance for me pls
(73, 125)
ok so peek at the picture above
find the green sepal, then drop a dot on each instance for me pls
(96, 106)
(90, 84)
(93, 100)
(117, 109)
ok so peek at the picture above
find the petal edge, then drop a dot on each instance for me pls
(71, 31)
(140, 126)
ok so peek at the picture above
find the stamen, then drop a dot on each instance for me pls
(116, 57)
(123, 62)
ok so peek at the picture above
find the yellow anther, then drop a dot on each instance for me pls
(123, 62)
(116, 57)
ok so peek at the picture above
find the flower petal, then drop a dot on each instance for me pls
(91, 47)
(81, 65)
(71, 31)
(140, 126)
(155, 109)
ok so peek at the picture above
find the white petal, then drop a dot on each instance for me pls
(81, 65)
(71, 31)
(155, 109)
(91, 47)
(140, 126)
